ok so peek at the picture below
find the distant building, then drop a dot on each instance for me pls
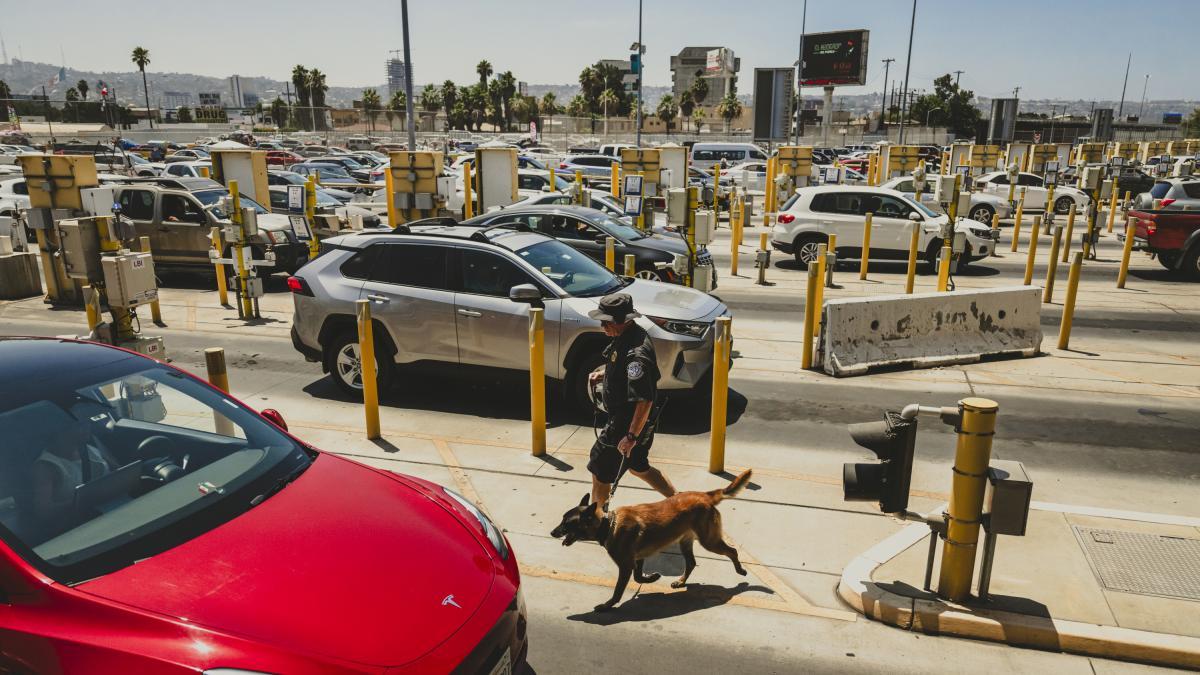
(236, 99)
(692, 63)
(249, 100)
(396, 74)
(174, 100)
(209, 99)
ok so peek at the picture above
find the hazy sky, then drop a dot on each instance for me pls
(1074, 49)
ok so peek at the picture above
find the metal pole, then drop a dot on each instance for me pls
(720, 395)
(408, 84)
(810, 314)
(978, 422)
(1121, 108)
(887, 64)
(640, 51)
(537, 380)
(800, 74)
(366, 361)
(1142, 107)
(907, 67)
(1068, 312)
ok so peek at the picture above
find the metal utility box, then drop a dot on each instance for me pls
(495, 177)
(898, 160)
(248, 167)
(1017, 153)
(645, 161)
(677, 201)
(129, 279)
(795, 161)
(54, 181)
(1009, 493)
(705, 227)
(1040, 154)
(984, 158)
(1091, 177)
(943, 188)
(1090, 153)
(98, 201)
(151, 406)
(80, 241)
(673, 159)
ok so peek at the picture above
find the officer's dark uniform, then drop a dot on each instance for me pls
(630, 375)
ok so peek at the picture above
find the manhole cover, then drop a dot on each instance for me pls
(1147, 564)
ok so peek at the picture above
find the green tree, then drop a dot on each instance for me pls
(667, 111)
(697, 119)
(141, 58)
(948, 106)
(82, 87)
(484, 70)
(449, 100)
(607, 99)
(184, 114)
(459, 115)
(1191, 125)
(549, 106)
(578, 106)
(371, 105)
(495, 103)
(686, 105)
(729, 109)
(522, 110)
(72, 97)
(316, 91)
(508, 89)
(5, 92)
(475, 99)
(699, 88)
(303, 117)
(279, 112)
(431, 99)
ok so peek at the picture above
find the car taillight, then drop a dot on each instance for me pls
(1166, 202)
(562, 165)
(299, 286)
(1151, 227)
(785, 218)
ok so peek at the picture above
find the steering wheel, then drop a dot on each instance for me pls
(567, 278)
(159, 459)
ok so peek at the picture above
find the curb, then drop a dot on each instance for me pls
(935, 617)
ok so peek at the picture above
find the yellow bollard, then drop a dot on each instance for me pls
(865, 258)
(610, 254)
(537, 379)
(1052, 265)
(1112, 209)
(944, 260)
(733, 251)
(615, 180)
(222, 291)
(1130, 231)
(310, 214)
(1070, 233)
(366, 361)
(716, 195)
(720, 394)
(553, 178)
(214, 363)
(630, 265)
(822, 249)
(468, 207)
(155, 309)
(1033, 243)
(995, 232)
(810, 314)
(971, 456)
(762, 269)
(1068, 315)
(827, 273)
(770, 201)
(913, 242)
(1017, 222)
(91, 300)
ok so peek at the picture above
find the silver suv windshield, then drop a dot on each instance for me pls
(211, 199)
(573, 271)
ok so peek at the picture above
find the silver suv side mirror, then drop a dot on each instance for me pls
(915, 217)
(525, 293)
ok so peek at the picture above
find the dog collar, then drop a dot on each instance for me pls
(605, 529)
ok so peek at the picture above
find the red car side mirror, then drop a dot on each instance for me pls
(274, 417)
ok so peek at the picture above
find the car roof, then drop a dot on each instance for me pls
(509, 239)
(852, 188)
(24, 359)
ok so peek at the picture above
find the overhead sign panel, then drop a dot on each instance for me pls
(772, 103)
(835, 58)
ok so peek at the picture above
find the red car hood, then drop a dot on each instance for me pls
(344, 562)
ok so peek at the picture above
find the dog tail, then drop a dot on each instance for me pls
(734, 487)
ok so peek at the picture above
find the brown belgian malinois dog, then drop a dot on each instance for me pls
(630, 534)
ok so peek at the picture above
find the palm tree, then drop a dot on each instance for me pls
(5, 92)
(278, 110)
(82, 87)
(485, 71)
(697, 119)
(72, 97)
(431, 99)
(699, 89)
(449, 98)
(729, 109)
(508, 88)
(300, 82)
(549, 106)
(398, 104)
(316, 90)
(667, 111)
(141, 57)
(591, 86)
(686, 105)
(607, 98)
(371, 105)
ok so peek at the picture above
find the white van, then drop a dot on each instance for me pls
(705, 155)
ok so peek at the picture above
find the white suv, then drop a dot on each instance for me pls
(813, 213)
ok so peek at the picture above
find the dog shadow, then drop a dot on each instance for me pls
(655, 605)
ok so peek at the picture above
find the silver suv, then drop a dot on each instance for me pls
(457, 294)
(1177, 194)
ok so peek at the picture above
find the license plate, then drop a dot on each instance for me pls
(504, 666)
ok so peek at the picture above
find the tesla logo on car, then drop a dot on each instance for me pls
(449, 600)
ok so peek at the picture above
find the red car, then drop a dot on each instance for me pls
(149, 523)
(282, 158)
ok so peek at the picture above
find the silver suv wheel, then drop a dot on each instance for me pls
(349, 366)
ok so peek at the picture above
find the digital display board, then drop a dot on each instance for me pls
(835, 58)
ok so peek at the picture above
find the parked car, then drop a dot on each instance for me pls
(311, 150)
(1172, 236)
(361, 173)
(1134, 181)
(269, 145)
(984, 205)
(327, 173)
(283, 158)
(280, 177)
(1177, 194)
(123, 564)
(325, 204)
(705, 155)
(178, 215)
(15, 192)
(453, 294)
(745, 174)
(997, 183)
(614, 149)
(189, 169)
(811, 214)
(126, 162)
(187, 154)
(599, 166)
(704, 180)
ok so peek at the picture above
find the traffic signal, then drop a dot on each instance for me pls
(893, 440)
(635, 63)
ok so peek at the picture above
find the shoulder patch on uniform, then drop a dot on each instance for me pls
(634, 370)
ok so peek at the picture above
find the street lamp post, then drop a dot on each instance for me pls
(408, 84)
(907, 67)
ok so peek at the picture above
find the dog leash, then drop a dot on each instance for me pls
(649, 428)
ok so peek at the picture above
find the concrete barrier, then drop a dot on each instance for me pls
(929, 329)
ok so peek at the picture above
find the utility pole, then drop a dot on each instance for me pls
(1121, 108)
(887, 63)
(1142, 107)
(800, 75)
(957, 74)
(907, 68)
(409, 106)
(640, 51)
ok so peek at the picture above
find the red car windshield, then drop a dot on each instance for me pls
(110, 465)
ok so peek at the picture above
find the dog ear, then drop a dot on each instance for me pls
(586, 497)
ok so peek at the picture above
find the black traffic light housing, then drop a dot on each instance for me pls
(893, 440)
